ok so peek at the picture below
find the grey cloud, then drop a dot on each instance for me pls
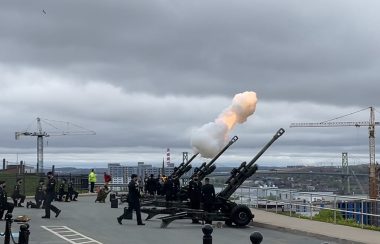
(145, 73)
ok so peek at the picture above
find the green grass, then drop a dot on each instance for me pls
(327, 216)
(29, 185)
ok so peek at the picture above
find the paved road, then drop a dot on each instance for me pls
(98, 221)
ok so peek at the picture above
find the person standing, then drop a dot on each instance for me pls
(133, 201)
(195, 188)
(107, 178)
(151, 185)
(4, 204)
(39, 196)
(208, 197)
(50, 195)
(92, 180)
(17, 195)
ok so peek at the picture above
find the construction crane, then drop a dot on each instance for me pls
(373, 166)
(60, 128)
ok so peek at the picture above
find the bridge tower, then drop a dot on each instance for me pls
(345, 171)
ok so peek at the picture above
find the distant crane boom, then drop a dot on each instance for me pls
(373, 167)
(58, 131)
(333, 124)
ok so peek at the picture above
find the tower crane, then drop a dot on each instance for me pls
(373, 166)
(60, 128)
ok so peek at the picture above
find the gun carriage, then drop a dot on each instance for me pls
(223, 209)
(201, 172)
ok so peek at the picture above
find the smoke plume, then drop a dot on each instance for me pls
(209, 139)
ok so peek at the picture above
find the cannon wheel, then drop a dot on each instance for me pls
(241, 215)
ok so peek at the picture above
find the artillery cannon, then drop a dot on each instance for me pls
(223, 209)
(201, 172)
(206, 169)
(183, 168)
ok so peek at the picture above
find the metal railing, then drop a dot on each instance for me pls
(363, 210)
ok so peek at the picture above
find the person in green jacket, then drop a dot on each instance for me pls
(92, 180)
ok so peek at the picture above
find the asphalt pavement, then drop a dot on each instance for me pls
(88, 222)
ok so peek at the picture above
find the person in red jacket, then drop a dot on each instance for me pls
(107, 178)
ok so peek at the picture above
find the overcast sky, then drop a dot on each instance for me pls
(143, 74)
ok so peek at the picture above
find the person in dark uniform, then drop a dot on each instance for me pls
(195, 188)
(133, 201)
(61, 191)
(71, 193)
(16, 195)
(176, 188)
(151, 185)
(4, 204)
(50, 195)
(208, 197)
(168, 186)
(39, 196)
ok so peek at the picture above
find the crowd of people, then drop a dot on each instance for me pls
(169, 187)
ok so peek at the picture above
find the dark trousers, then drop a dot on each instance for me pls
(15, 199)
(37, 204)
(71, 194)
(61, 195)
(49, 206)
(208, 206)
(9, 207)
(132, 206)
(92, 185)
(195, 203)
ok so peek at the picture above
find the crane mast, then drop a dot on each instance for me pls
(40, 134)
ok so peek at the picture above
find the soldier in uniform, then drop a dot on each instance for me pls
(176, 188)
(195, 195)
(151, 185)
(61, 191)
(4, 204)
(133, 201)
(50, 195)
(71, 192)
(16, 195)
(208, 197)
(168, 187)
(39, 196)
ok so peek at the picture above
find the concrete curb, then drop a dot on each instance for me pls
(305, 233)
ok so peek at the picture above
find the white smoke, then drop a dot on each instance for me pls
(209, 139)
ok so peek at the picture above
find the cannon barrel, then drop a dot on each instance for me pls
(239, 176)
(206, 166)
(235, 171)
(232, 141)
(184, 167)
(275, 137)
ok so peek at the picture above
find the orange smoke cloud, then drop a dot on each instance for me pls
(209, 139)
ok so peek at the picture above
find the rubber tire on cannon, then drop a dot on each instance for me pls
(241, 215)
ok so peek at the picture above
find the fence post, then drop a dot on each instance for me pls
(207, 230)
(290, 195)
(362, 216)
(257, 197)
(335, 209)
(310, 205)
(24, 234)
(256, 237)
